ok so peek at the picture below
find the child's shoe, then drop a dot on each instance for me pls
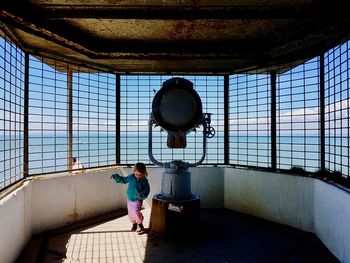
(140, 228)
(134, 227)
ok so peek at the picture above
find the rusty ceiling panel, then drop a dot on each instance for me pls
(128, 64)
(166, 3)
(185, 30)
(172, 36)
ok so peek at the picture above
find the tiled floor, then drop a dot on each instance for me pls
(111, 241)
(222, 236)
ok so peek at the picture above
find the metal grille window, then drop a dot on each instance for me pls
(137, 93)
(48, 116)
(249, 119)
(72, 113)
(94, 117)
(298, 117)
(337, 109)
(90, 127)
(11, 111)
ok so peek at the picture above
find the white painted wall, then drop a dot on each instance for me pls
(208, 183)
(305, 203)
(53, 201)
(15, 223)
(276, 197)
(50, 202)
(61, 200)
(332, 218)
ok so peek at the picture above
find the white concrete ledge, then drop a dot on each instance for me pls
(15, 222)
(305, 203)
(49, 202)
(332, 218)
(276, 197)
(61, 200)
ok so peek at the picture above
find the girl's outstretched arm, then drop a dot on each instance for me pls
(120, 179)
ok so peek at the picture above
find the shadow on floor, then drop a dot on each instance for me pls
(227, 236)
(220, 236)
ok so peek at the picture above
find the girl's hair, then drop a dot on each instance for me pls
(141, 167)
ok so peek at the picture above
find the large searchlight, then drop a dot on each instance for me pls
(177, 109)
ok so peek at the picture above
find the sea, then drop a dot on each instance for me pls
(48, 154)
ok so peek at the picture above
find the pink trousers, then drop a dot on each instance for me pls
(134, 211)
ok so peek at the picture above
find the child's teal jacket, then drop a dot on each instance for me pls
(135, 188)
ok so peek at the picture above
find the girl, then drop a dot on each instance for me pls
(137, 191)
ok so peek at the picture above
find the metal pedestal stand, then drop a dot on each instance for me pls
(175, 211)
(172, 218)
(177, 108)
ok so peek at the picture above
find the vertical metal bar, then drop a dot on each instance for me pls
(273, 122)
(246, 125)
(117, 119)
(322, 115)
(70, 116)
(25, 117)
(139, 89)
(98, 120)
(304, 118)
(348, 111)
(226, 120)
(256, 130)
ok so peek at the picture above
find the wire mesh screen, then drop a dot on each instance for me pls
(72, 115)
(137, 94)
(337, 108)
(48, 116)
(53, 86)
(249, 119)
(12, 62)
(94, 117)
(298, 118)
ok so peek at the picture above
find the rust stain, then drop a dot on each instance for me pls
(196, 3)
(73, 217)
(183, 30)
(179, 27)
(113, 2)
(219, 25)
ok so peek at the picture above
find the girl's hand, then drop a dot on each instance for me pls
(113, 176)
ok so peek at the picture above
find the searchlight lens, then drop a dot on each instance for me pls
(177, 107)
